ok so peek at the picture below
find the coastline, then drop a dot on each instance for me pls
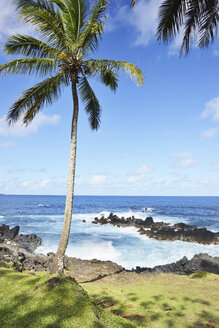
(18, 249)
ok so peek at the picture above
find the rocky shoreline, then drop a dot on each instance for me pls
(12, 237)
(18, 250)
(162, 230)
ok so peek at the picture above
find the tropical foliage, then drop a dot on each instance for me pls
(68, 33)
(195, 19)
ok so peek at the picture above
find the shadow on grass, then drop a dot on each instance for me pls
(65, 305)
(158, 310)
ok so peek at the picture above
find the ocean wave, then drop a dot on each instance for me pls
(130, 252)
(88, 250)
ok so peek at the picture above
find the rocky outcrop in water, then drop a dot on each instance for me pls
(7, 234)
(162, 230)
(11, 236)
(199, 263)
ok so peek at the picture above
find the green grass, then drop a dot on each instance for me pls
(158, 301)
(162, 301)
(27, 302)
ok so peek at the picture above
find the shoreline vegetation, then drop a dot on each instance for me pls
(42, 300)
(102, 294)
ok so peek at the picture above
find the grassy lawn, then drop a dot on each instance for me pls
(27, 301)
(163, 300)
(24, 305)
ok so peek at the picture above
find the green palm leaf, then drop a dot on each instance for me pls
(37, 4)
(35, 98)
(25, 45)
(92, 106)
(49, 25)
(41, 66)
(94, 65)
(73, 16)
(89, 38)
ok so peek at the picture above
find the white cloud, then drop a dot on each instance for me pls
(184, 159)
(212, 109)
(6, 144)
(210, 132)
(27, 184)
(35, 184)
(98, 179)
(142, 18)
(182, 155)
(188, 162)
(135, 178)
(140, 174)
(8, 21)
(176, 44)
(44, 182)
(19, 129)
(144, 169)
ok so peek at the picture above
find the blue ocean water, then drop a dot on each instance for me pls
(43, 215)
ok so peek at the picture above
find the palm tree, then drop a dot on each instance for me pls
(69, 32)
(195, 18)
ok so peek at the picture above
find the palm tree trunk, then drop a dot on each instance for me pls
(58, 262)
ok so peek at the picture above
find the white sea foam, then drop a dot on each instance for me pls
(122, 245)
(87, 250)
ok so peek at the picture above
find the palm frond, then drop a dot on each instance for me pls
(171, 14)
(191, 20)
(35, 98)
(92, 106)
(109, 78)
(95, 65)
(38, 4)
(25, 45)
(133, 3)
(41, 66)
(208, 23)
(73, 16)
(90, 35)
(48, 24)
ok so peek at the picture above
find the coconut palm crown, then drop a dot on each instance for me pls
(69, 33)
(195, 18)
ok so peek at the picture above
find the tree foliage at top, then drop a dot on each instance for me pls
(69, 33)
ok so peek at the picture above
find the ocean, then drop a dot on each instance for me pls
(43, 215)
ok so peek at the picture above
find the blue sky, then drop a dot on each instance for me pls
(159, 139)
